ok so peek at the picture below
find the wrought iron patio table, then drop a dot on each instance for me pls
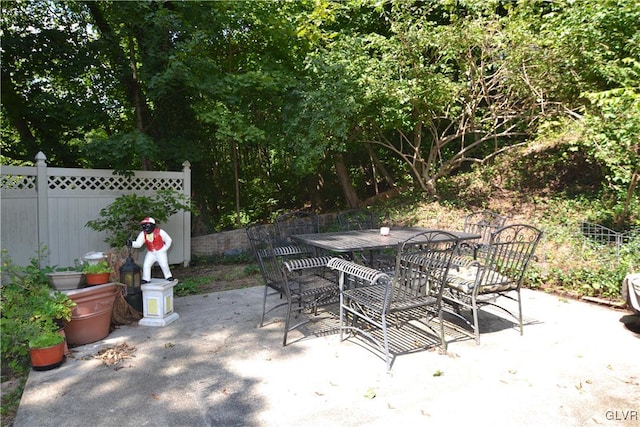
(366, 240)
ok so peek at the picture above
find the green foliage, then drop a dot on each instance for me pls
(578, 265)
(409, 91)
(28, 308)
(252, 269)
(98, 268)
(260, 96)
(189, 286)
(115, 151)
(613, 131)
(46, 339)
(121, 219)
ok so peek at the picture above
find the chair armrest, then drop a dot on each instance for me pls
(306, 263)
(358, 273)
(287, 251)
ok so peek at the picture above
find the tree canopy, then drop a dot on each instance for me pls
(319, 103)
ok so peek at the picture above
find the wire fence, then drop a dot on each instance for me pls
(601, 238)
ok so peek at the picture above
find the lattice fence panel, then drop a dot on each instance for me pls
(112, 183)
(17, 182)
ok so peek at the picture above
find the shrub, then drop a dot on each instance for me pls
(121, 219)
(29, 308)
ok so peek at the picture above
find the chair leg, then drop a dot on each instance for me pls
(443, 341)
(341, 316)
(286, 324)
(386, 342)
(476, 325)
(264, 305)
(520, 313)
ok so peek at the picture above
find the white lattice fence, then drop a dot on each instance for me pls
(50, 206)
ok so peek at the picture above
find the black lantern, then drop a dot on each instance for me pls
(130, 275)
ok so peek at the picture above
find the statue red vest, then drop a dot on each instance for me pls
(156, 243)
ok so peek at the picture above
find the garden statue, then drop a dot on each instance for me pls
(158, 243)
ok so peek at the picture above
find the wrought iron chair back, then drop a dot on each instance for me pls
(422, 264)
(483, 223)
(363, 219)
(298, 222)
(356, 219)
(499, 270)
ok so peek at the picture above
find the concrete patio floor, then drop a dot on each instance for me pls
(576, 365)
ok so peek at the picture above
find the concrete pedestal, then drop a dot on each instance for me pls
(157, 303)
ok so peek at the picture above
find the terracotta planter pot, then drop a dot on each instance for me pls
(97, 278)
(44, 359)
(91, 317)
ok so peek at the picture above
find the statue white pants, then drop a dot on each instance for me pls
(151, 258)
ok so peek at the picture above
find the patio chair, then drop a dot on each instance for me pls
(483, 223)
(356, 219)
(256, 234)
(498, 271)
(379, 307)
(304, 283)
(363, 219)
(298, 222)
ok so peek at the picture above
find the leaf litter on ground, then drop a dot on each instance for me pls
(112, 356)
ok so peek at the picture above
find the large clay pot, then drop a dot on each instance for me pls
(91, 317)
(43, 359)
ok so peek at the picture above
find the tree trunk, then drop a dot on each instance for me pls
(120, 59)
(236, 181)
(15, 105)
(380, 167)
(343, 177)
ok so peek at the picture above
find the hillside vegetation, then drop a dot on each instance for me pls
(554, 193)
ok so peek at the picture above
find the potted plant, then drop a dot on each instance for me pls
(46, 350)
(97, 274)
(30, 310)
(65, 279)
(46, 340)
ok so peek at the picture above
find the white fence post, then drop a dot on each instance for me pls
(186, 223)
(42, 186)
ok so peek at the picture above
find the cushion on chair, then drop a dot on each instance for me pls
(464, 280)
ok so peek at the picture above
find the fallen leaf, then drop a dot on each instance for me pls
(113, 355)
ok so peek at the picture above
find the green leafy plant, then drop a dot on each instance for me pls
(190, 286)
(121, 219)
(29, 309)
(99, 268)
(46, 339)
